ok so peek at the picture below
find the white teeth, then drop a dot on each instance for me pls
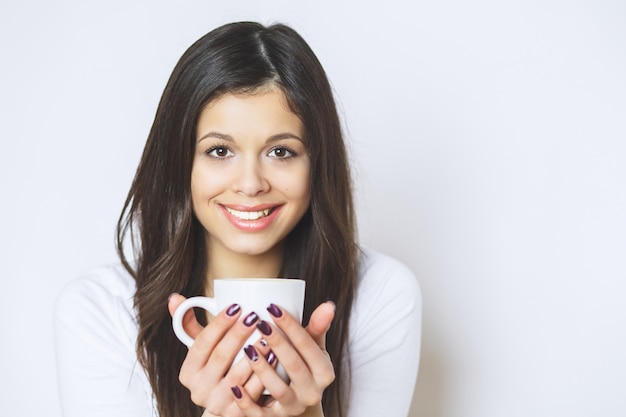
(248, 215)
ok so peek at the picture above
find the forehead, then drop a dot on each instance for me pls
(265, 112)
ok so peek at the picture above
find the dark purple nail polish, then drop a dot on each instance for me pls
(265, 328)
(250, 319)
(263, 342)
(271, 358)
(236, 391)
(232, 310)
(274, 310)
(252, 353)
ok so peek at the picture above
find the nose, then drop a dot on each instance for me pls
(250, 180)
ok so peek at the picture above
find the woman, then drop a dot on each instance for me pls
(244, 173)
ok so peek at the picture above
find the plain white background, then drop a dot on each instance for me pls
(488, 140)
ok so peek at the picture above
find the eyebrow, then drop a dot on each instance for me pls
(217, 136)
(273, 138)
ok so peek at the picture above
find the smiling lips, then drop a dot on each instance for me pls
(252, 219)
(248, 215)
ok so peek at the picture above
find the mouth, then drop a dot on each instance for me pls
(249, 215)
(251, 219)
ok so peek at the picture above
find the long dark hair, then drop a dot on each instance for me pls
(168, 244)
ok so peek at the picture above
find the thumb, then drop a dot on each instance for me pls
(320, 322)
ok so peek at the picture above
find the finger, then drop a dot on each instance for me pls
(264, 369)
(300, 355)
(320, 322)
(245, 403)
(286, 352)
(190, 323)
(208, 339)
(254, 386)
(306, 346)
(240, 374)
(231, 343)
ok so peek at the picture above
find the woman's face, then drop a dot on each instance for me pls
(250, 174)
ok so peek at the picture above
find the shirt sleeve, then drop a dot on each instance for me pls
(95, 333)
(385, 342)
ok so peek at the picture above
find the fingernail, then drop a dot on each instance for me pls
(263, 342)
(333, 303)
(274, 310)
(252, 353)
(271, 358)
(250, 319)
(265, 328)
(236, 391)
(232, 310)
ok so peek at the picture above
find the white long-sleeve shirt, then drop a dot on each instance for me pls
(96, 333)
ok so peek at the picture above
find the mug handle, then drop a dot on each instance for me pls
(206, 303)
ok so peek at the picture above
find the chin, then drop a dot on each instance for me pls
(252, 249)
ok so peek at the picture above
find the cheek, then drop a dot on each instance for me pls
(304, 189)
(297, 186)
(204, 185)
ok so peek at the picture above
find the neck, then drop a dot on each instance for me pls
(223, 263)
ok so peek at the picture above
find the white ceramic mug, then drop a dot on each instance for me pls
(253, 295)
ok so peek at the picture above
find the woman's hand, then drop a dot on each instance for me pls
(302, 352)
(206, 370)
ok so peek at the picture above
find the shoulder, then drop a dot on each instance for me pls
(99, 287)
(385, 337)
(101, 298)
(387, 310)
(95, 340)
(383, 275)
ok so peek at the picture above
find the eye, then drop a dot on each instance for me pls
(281, 152)
(218, 152)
